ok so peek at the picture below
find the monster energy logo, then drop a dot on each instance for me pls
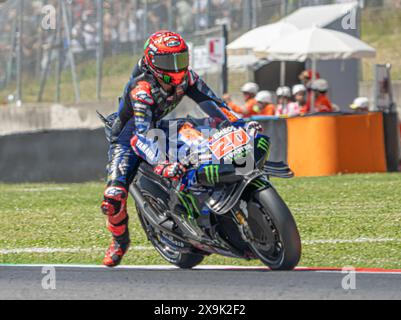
(263, 144)
(189, 203)
(212, 174)
(166, 79)
(259, 183)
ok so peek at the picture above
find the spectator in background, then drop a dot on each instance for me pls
(219, 12)
(283, 100)
(236, 14)
(184, 17)
(360, 105)
(306, 78)
(249, 91)
(299, 93)
(199, 10)
(159, 15)
(264, 104)
(322, 101)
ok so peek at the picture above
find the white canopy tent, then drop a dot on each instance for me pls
(319, 44)
(263, 37)
(241, 50)
(320, 16)
(259, 39)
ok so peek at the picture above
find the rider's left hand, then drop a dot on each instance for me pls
(173, 171)
(254, 126)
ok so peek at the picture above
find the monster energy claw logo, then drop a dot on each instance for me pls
(258, 183)
(212, 174)
(189, 202)
(263, 144)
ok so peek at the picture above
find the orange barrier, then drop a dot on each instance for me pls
(328, 145)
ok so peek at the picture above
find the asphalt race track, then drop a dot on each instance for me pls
(80, 282)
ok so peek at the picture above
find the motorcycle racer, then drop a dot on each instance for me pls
(160, 80)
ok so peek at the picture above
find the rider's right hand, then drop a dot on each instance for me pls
(173, 171)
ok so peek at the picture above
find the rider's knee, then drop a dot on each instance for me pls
(115, 202)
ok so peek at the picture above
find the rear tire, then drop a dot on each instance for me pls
(169, 253)
(286, 252)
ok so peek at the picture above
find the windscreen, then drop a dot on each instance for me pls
(213, 111)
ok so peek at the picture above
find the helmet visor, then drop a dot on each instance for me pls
(172, 62)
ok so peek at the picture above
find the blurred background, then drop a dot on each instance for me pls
(61, 60)
(125, 26)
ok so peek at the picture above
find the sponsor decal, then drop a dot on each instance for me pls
(191, 207)
(191, 179)
(113, 192)
(263, 144)
(172, 41)
(190, 135)
(259, 184)
(139, 114)
(145, 149)
(238, 153)
(153, 47)
(146, 44)
(212, 174)
(228, 140)
(142, 96)
(166, 78)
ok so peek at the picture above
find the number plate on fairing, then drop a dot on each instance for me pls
(226, 142)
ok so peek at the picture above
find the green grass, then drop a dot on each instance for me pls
(381, 28)
(342, 207)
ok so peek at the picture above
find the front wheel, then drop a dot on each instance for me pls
(276, 238)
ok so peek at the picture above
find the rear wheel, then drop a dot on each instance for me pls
(164, 244)
(276, 238)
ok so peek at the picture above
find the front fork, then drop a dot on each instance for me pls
(240, 215)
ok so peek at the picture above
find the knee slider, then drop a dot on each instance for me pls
(115, 199)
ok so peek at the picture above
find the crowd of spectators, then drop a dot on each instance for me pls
(132, 20)
(127, 23)
(309, 96)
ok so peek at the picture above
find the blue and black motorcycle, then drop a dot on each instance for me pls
(225, 204)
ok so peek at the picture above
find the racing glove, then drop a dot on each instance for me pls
(173, 171)
(253, 127)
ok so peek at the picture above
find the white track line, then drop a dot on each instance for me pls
(359, 240)
(64, 250)
(46, 189)
(200, 268)
(147, 248)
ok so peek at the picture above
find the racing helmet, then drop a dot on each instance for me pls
(250, 87)
(264, 96)
(320, 85)
(360, 103)
(298, 88)
(167, 57)
(283, 92)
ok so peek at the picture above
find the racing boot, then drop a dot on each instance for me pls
(115, 253)
(114, 206)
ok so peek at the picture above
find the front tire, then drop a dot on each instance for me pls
(269, 212)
